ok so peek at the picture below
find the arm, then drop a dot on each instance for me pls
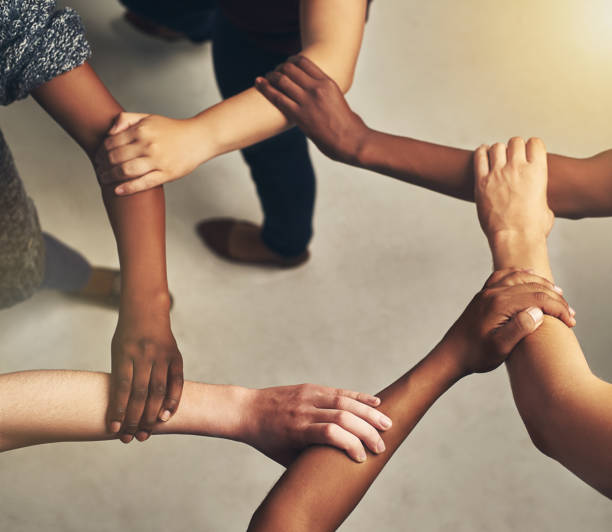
(81, 104)
(51, 406)
(331, 35)
(321, 488)
(566, 409)
(309, 98)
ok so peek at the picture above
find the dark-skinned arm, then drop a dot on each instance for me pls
(147, 373)
(308, 97)
(321, 488)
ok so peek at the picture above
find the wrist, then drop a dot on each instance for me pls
(245, 426)
(206, 139)
(155, 302)
(520, 249)
(362, 153)
(451, 358)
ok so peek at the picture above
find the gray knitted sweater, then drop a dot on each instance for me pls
(37, 43)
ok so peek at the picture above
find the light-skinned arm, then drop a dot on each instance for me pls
(151, 150)
(566, 409)
(53, 406)
(146, 363)
(308, 97)
(321, 488)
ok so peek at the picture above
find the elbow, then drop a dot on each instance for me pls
(345, 81)
(539, 418)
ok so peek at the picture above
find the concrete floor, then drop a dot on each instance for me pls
(392, 267)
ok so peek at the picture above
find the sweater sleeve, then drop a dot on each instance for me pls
(37, 43)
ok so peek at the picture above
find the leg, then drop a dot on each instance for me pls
(22, 251)
(280, 166)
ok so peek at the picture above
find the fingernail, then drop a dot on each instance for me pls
(127, 438)
(573, 322)
(361, 457)
(385, 422)
(165, 415)
(258, 79)
(119, 191)
(115, 426)
(558, 289)
(141, 435)
(380, 447)
(536, 314)
(572, 311)
(376, 400)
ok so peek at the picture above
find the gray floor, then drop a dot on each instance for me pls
(392, 267)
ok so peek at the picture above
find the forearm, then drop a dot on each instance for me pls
(82, 105)
(576, 187)
(566, 409)
(321, 488)
(332, 44)
(52, 406)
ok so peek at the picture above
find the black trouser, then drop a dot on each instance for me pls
(280, 166)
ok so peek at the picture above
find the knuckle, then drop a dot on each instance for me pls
(124, 384)
(342, 418)
(523, 322)
(139, 393)
(130, 427)
(338, 402)
(158, 389)
(330, 431)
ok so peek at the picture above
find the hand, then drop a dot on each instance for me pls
(508, 308)
(313, 101)
(510, 189)
(283, 420)
(146, 151)
(147, 376)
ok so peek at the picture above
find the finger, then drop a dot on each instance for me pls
(124, 121)
(367, 413)
(355, 425)
(283, 103)
(120, 139)
(536, 151)
(497, 275)
(121, 385)
(336, 436)
(140, 184)
(174, 390)
(287, 86)
(138, 398)
(131, 169)
(310, 68)
(125, 153)
(481, 162)
(516, 150)
(534, 295)
(515, 277)
(157, 394)
(358, 396)
(297, 75)
(520, 325)
(497, 156)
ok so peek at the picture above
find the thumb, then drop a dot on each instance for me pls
(520, 325)
(124, 121)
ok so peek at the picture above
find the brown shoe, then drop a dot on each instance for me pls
(240, 241)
